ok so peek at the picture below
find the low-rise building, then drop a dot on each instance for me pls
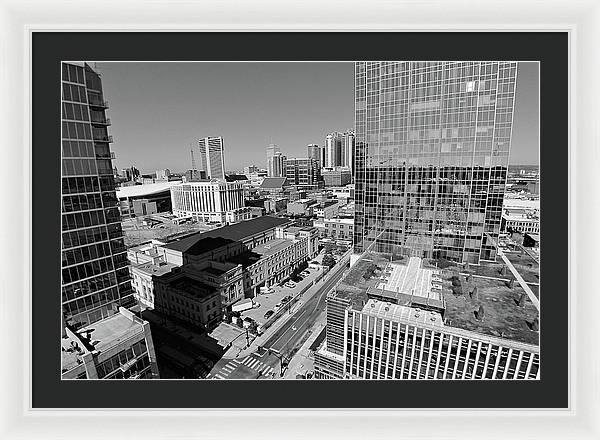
(301, 207)
(142, 280)
(182, 294)
(327, 209)
(117, 347)
(335, 228)
(140, 200)
(520, 220)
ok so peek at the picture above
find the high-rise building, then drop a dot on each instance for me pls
(314, 152)
(432, 148)
(337, 176)
(272, 149)
(348, 150)
(100, 337)
(333, 150)
(276, 165)
(95, 276)
(302, 171)
(212, 157)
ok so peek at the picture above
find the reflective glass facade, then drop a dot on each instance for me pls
(95, 276)
(432, 150)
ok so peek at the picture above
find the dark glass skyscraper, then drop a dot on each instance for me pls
(432, 149)
(95, 274)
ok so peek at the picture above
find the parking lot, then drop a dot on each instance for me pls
(268, 301)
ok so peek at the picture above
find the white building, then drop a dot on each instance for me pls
(215, 201)
(212, 157)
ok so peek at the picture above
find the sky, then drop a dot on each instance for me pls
(158, 110)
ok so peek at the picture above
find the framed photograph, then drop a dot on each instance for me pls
(271, 228)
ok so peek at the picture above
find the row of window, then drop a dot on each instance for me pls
(95, 284)
(97, 299)
(114, 362)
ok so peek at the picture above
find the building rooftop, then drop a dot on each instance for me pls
(245, 259)
(99, 336)
(192, 287)
(272, 246)
(145, 190)
(155, 269)
(235, 232)
(273, 183)
(327, 203)
(374, 277)
(386, 310)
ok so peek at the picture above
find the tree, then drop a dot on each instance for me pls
(328, 260)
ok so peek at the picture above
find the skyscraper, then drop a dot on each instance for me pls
(100, 338)
(272, 149)
(314, 152)
(276, 165)
(212, 157)
(333, 149)
(348, 150)
(432, 148)
(95, 274)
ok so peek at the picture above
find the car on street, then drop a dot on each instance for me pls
(269, 314)
(290, 284)
(278, 305)
(305, 273)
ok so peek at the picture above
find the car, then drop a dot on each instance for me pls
(290, 284)
(269, 314)
(284, 300)
(278, 305)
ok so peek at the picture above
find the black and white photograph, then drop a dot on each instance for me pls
(303, 221)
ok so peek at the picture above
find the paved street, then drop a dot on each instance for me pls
(250, 367)
(285, 339)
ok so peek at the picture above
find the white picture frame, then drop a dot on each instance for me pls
(580, 18)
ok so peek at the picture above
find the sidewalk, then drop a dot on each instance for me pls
(302, 363)
(235, 352)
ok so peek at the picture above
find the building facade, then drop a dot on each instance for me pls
(302, 172)
(212, 157)
(117, 347)
(215, 201)
(389, 320)
(314, 152)
(336, 176)
(432, 149)
(95, 277)
(272, 149)
(276, 165)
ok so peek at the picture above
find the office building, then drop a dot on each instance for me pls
(251, 169)
(314, 152)
(336, 176)
(333, 149)
(214, 201)
(212, 157)
(95, 276)
(432, 148)
(348, 150)
(397, 320)
(276, 165)
(326, 209)
(140, 200)
(272, 150)
(302, 172)
(117, 347)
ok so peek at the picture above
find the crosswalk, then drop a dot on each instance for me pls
(250, 362)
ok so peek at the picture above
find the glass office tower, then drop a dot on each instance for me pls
(432, 149)
(212, 157)
(95, 274)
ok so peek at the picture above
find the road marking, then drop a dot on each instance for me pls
(266, 370)
(219, 377)
(253, 364)
(237, 362)
(275, 341)
(228, 368)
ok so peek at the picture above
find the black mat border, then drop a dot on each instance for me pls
(551, 49)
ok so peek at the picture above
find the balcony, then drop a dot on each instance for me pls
(103, 138)
(105, 121)
(99, 103)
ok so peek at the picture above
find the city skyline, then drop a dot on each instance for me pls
(264, 103)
